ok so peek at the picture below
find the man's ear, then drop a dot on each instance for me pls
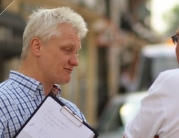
(36, 46)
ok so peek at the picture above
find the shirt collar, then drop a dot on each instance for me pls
(56, 90)
(31, 85)
(26, 83)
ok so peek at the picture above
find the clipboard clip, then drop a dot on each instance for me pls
(71, 116)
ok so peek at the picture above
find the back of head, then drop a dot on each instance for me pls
(43, 24)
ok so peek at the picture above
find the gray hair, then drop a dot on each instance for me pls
(43, 23)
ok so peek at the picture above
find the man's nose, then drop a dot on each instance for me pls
(74, 60)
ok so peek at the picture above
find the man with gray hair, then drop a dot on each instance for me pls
(51, 42)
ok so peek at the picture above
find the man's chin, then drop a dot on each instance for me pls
(64, 82)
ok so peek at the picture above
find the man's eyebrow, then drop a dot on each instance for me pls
(79, 48)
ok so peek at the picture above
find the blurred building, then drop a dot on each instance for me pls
(123, 31)
(114, 27)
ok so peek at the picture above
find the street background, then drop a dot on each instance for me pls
(109, 58)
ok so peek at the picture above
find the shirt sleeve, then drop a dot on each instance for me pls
(148, 119)
(1, 128)
(3, 122)
(156, 111)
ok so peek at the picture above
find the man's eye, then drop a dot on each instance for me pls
(68, 50)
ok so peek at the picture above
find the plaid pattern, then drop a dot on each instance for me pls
(19, 97)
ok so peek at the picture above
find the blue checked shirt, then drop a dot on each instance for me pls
(19, 97)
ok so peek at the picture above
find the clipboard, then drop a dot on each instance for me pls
(53, 119)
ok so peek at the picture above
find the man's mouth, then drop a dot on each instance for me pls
(68, 70)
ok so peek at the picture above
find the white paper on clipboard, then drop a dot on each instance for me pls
(52, 120)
